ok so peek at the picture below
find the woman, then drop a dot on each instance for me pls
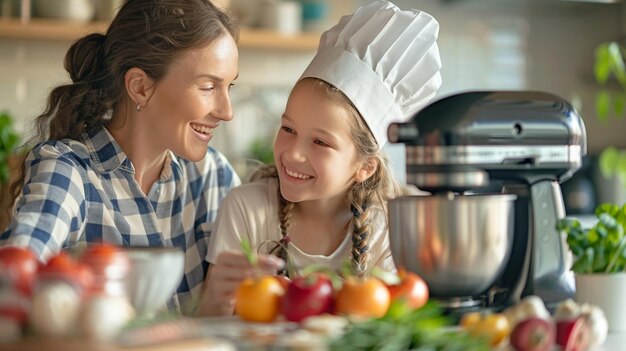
(121, 152)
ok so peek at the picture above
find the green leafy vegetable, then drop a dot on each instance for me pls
(601, 248)
(405, 329)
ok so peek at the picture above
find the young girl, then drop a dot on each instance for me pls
(121, 152)
(324, 201)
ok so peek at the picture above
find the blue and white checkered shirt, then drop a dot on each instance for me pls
(84, 191)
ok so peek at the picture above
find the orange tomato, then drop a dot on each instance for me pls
(365, 297)
(258, 299)
(412, 289)
(494, 327)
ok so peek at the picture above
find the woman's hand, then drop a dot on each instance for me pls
(224, 277)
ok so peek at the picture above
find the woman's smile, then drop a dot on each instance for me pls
(204, 132)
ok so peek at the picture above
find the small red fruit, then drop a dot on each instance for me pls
(573, 334)
(110, 265)
(533, 334)
(20, 265)
(306, 296)
(63, 267)
(412, 289)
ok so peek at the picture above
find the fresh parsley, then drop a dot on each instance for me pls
(423, 329)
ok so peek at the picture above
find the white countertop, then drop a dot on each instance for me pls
(614, 342)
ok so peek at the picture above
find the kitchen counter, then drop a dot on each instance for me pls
(200, 344)
(201, 336)
(614, 342)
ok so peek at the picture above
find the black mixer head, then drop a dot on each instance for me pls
(455, 142)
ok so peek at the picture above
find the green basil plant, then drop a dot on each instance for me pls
(601, 248)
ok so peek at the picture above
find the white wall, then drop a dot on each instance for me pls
(528, 44)
(485, 44)
(29, 69)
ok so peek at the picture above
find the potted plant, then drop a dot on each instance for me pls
(599, 261)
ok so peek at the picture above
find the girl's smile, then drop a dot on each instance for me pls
(296, 176)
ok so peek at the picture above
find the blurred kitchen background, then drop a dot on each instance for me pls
(485, 44)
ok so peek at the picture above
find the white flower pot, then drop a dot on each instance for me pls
(607, 291)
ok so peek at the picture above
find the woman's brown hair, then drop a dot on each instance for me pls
(147, 34)
(377, 189)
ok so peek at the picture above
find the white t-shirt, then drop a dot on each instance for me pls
(251, 211)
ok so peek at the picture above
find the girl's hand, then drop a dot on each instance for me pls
(224, 277)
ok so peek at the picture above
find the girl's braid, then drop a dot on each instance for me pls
(285, 215)
(361, 231)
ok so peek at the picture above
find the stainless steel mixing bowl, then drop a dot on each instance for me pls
(459, 244)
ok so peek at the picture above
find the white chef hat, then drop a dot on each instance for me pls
(385, 60)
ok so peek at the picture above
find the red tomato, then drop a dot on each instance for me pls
(412, 289)
(102, 255)
(109, 263)
(21, 265)
(306, 296)
(60, 261)
(63, 266)
(258, 299)
(366, 297)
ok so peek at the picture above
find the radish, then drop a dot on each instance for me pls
(573, 334)
(533, 334)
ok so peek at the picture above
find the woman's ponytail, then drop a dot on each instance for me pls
(70, 107)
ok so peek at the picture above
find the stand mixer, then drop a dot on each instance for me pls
(492, 161)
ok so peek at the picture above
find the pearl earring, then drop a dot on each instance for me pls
(138, 107)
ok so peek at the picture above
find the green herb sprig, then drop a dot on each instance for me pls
(426, 328)
(601, 248)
